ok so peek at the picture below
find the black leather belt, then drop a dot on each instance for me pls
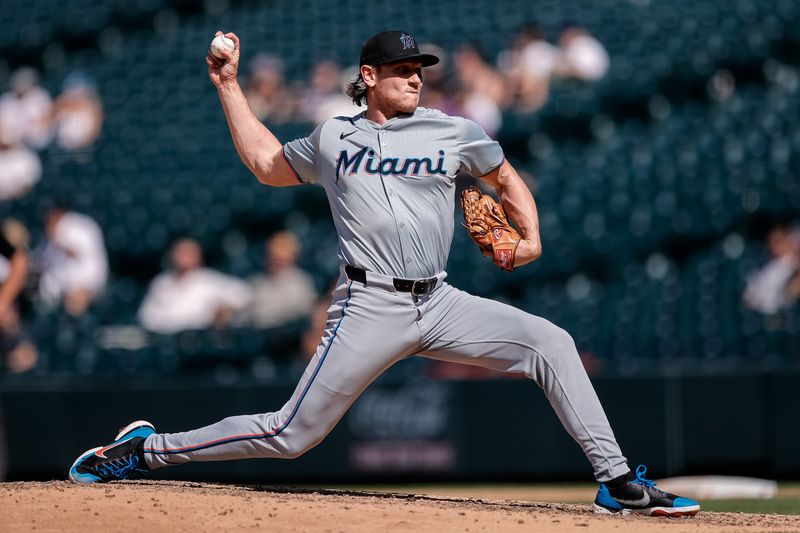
(417, 287)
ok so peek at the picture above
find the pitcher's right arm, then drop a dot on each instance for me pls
(258, 148)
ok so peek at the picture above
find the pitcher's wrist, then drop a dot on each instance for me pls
(228, 86)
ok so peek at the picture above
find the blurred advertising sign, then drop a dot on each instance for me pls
(403, 428)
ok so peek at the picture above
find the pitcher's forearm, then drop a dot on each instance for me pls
(255, 144)
(521, 209)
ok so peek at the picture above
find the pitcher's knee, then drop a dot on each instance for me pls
(565, 341)
(294, 453)
(296, 445)
(557, 342)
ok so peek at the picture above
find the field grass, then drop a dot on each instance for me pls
(776, 506)
(786, 502)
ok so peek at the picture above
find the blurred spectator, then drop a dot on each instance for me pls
(25, 110)
(316, 328)
(13, 263)
(285, 292)
(484, 89)
(442, 98)
(268, 97)
(312, 336)
(478, 76)
(528, 65)
(774, 287)
(722, 85)
(326, 98)
(190, 296)
(17, 352)
(75, 264)
(438, 90)
(20, 168)
(582, 56)
(478, 107)
(77, 113)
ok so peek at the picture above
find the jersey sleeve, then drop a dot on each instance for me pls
(479, 154)
(303, 156)
(6, 249)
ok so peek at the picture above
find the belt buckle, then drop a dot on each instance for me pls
(425, 287)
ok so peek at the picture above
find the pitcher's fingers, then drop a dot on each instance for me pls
(232, 36)
(226, 54)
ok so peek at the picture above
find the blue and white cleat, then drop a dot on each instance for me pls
(641, 496)
(119, 460)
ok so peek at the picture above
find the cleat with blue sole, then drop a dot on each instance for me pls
(115, 461)
(641, 496)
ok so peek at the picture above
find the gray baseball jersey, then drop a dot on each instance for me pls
(391, 187)
(391, 190)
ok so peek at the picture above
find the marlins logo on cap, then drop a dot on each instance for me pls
(408, 42)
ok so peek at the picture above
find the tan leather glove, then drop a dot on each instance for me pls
(488, 226)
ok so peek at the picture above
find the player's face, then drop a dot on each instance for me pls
(398, 86)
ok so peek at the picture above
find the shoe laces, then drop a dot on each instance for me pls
(119, 468)
(641, 470)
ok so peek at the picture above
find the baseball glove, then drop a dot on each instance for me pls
(488, 226)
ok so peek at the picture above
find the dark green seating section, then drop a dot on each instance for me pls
(648, 191)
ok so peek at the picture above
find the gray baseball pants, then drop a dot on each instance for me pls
(370, 327)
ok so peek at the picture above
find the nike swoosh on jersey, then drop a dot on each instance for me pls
(641, 502)
(343, 135)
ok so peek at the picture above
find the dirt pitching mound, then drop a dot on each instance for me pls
(179, 506)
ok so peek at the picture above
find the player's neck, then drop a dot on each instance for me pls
(381, 116)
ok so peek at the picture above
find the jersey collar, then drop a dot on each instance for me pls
(363, 117)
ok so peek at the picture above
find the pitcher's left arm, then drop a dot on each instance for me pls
(520, 207)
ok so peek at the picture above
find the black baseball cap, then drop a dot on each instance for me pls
(391, 46)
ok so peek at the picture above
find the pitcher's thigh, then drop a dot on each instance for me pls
(371, 333)
(488, 333)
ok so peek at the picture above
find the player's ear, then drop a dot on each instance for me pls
(369, 74)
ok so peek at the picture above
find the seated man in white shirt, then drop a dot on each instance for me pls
(772, 289)
(190, 296)
(75, 264)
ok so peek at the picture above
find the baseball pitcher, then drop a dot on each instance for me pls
(390, 177)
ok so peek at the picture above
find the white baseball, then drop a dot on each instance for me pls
(219, 43)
